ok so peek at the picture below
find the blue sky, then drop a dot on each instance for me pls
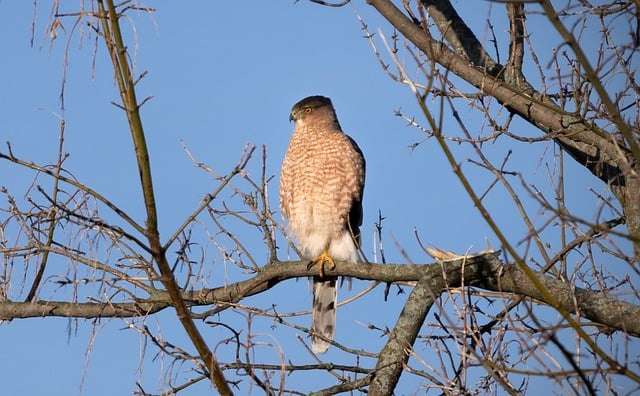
(223, 75)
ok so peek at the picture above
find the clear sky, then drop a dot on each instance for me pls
(223, 75)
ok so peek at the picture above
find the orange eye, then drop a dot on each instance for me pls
(308, 110)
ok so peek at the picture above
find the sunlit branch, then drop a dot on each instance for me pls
(117, 50)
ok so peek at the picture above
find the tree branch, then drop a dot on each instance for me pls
(396, 351)
(597, 145)
(124, 77)
(607, 158)
(513, 71)
(484, 271)
(459, 36)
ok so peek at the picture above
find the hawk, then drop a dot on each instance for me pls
(321, 187)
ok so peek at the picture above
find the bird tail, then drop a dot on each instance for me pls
(323, 321)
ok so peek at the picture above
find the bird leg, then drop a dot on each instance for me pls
(321, 260)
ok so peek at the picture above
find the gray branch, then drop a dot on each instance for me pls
(483, 271)
(396, 352)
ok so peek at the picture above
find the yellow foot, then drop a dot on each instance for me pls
(321, 260)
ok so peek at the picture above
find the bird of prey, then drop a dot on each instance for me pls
(321, 189)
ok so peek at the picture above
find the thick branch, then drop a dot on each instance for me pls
(459, 36)
(599, 307)
(396, 351)
(39, 309)
(513, 70)
(483, 271)
(596, 144)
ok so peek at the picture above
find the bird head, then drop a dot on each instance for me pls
(312, 108)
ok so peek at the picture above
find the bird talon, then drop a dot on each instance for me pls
(321, 260)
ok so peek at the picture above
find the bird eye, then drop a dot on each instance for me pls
(308, 110)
